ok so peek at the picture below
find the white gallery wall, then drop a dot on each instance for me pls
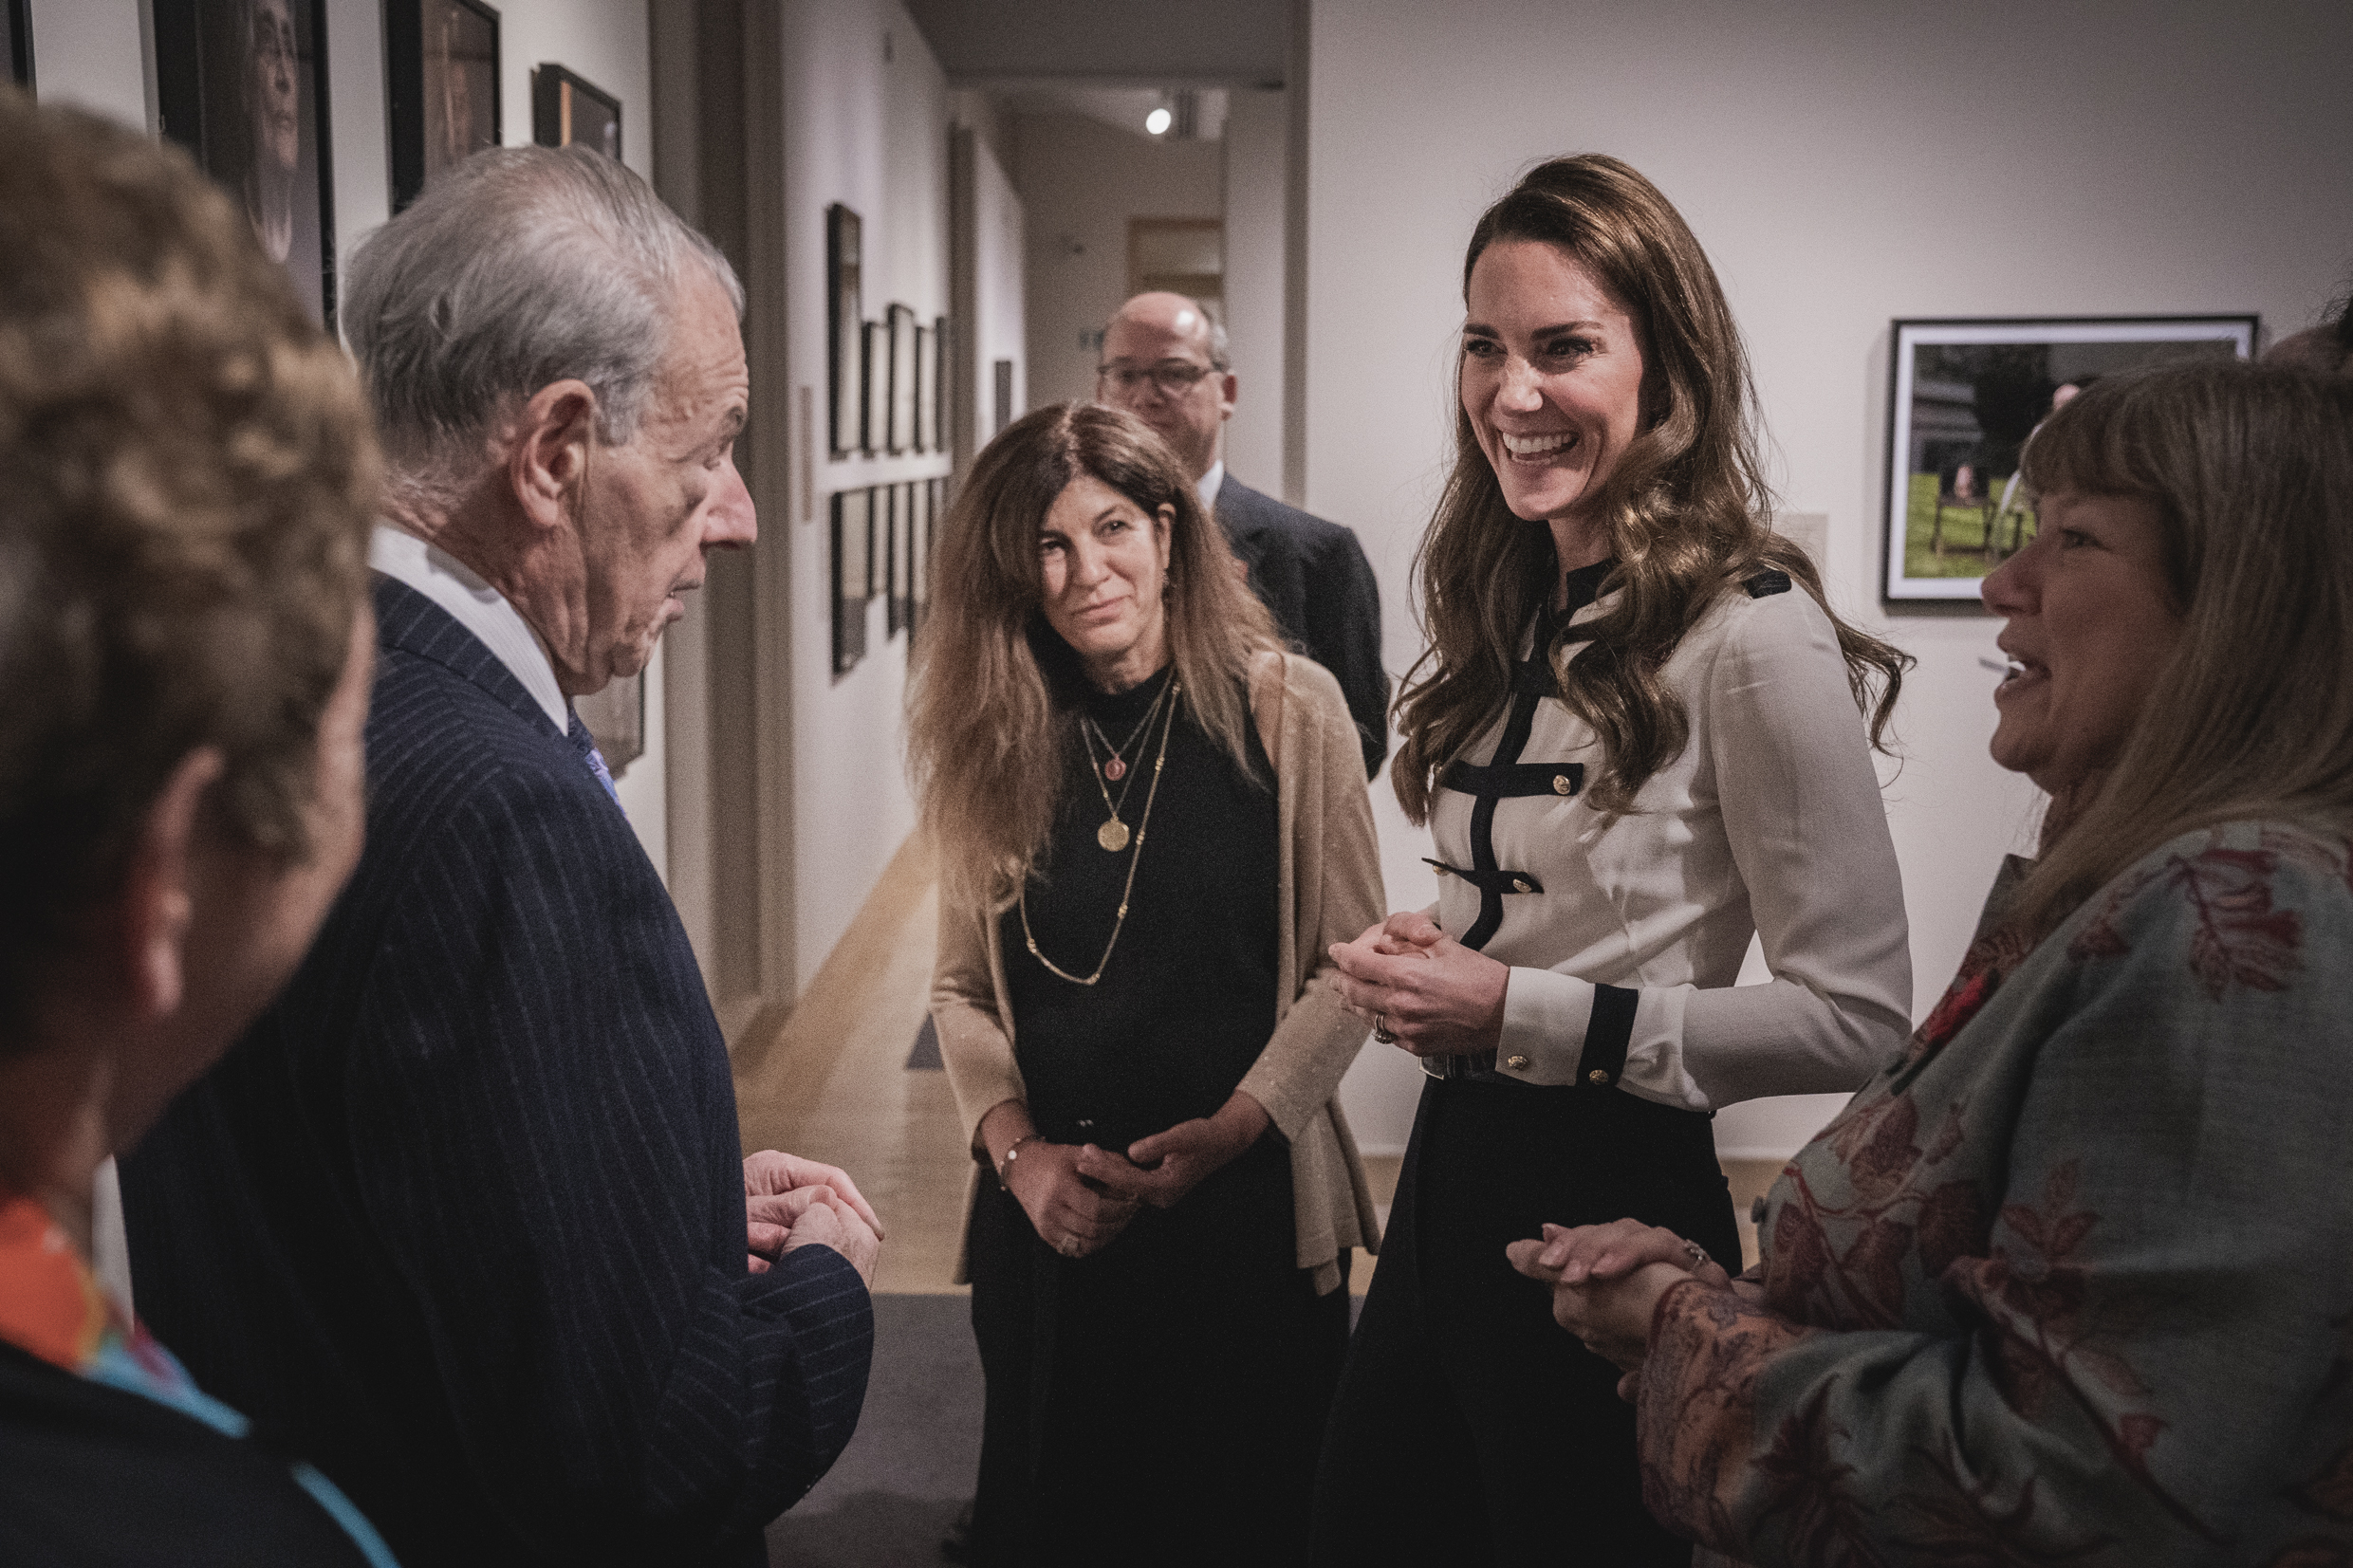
(99, 53)
(1844, 162)
(1258, 147)
(1081, 180)
(865, 124)
(990, 325)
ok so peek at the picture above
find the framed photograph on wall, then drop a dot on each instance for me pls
(875, 433)
(940, 428)
(920, 550)
(903, 553)
(1964, 398)
(441, 86)
(16, 41)
(853, 552)
(926, 365)
(242, 85)
(903, 380)
(888, 522)
(566, 107)
(844, 330)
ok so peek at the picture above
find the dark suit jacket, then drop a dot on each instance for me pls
(462, 1217)
(1314, 577)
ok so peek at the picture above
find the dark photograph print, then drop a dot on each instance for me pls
(16, 40)
(441, 72)
(568, 108)
(242, 85)
(844, 330)
(853, 581)
(1966, 399)
(904, 355)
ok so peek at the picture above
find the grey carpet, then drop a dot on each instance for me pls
(892, 1494)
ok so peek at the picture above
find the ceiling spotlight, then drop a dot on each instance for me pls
(1157, 121)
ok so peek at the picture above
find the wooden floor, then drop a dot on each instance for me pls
(829, 1080)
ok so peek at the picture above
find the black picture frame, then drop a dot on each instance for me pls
(1964, 396)
(846, 331)
(942, 404)
(887, 526)
(852, 549)
(567, 108)
(874, 428)
(218, 63)
(442, 89)
(901, 430)
(16, 22)
(926, 367)
(919, 566)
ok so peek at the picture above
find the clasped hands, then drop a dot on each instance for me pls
(1078, 1197)
(791, 1202)
(1435, 995)
(1607, 1280)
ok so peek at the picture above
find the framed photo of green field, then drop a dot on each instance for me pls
(1965, 398)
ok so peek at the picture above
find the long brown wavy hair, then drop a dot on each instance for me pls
(2250, 471)
(1687, 507)
(993, 692)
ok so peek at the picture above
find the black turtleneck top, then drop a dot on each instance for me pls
(1188, 998)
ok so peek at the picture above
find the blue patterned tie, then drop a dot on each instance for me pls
(586, 744)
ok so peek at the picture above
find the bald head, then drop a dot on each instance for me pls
(2326, 349)
(1176, 318)
(1164, 361)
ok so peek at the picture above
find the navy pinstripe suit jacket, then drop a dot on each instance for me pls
(461, 1219)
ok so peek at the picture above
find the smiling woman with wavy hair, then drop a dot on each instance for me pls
(1639, 737)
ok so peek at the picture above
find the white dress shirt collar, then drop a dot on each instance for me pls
(478, 607)
(1211, 483)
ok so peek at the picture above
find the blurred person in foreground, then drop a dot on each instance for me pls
(1152, 822)
(2072, 1279)
(1165, 361)
(465, 1214)
(186, 477)
(1639, 738)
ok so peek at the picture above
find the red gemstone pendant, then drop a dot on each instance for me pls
(1114, 770)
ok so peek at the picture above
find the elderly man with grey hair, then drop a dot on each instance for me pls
(464, 1216)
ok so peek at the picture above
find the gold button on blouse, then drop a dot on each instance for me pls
(1598, 1076)
(1564, 785)
(1515, 1063)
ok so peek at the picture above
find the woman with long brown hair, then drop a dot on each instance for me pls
(1638, 737)
(1151, 824)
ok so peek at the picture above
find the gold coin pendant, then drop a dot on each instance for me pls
(1112, 836)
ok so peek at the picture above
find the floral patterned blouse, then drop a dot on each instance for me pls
(2072, 1279)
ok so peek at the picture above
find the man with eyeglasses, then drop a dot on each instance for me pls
(1164, 360)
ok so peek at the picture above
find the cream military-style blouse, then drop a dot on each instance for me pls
(1626, 934)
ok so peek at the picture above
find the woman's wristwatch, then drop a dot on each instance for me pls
(1005, 1166)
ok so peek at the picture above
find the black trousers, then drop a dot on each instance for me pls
(1161, 1402)
(1468, 1428)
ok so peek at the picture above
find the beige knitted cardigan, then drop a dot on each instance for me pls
(1329, 892)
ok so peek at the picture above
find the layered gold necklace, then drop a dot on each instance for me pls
(1113, 834)
(1105, 836)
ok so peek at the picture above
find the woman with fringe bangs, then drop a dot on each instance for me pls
(2072, 1279)
(1152, 824)
(1639, 736)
